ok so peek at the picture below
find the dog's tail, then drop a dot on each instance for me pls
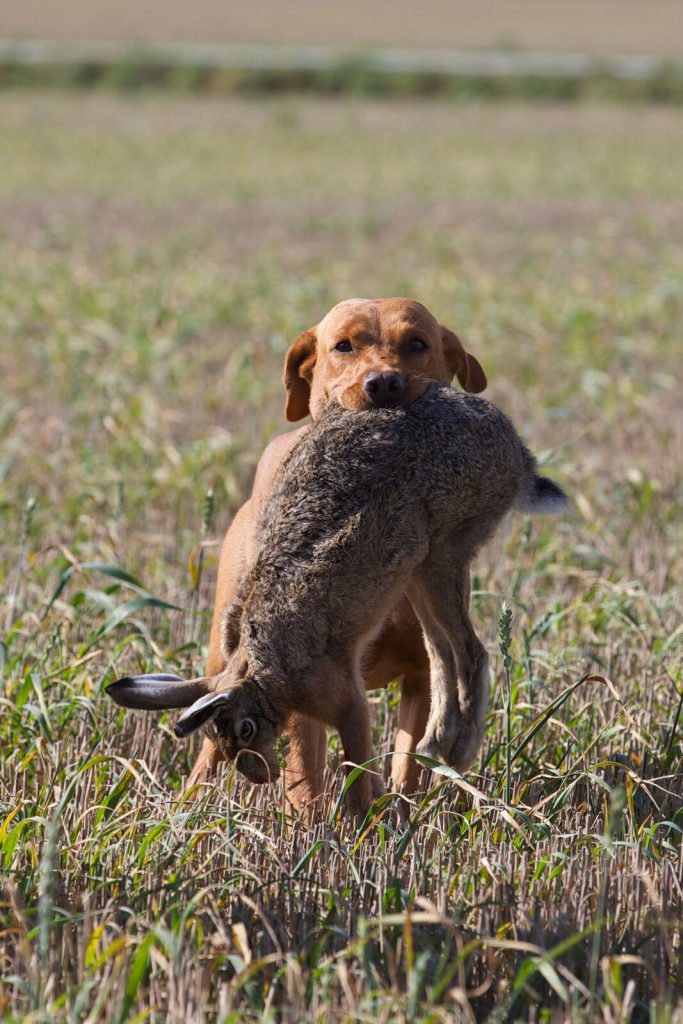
(542, 495)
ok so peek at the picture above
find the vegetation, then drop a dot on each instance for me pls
(157, 256)
(357, 74)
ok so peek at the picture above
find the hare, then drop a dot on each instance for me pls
(369, 505)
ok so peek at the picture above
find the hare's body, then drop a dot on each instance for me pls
(369, 505)
(363, 502)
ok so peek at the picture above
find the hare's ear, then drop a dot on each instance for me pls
(462, 364)
(299, 365)
(158, 691)
(204, 709)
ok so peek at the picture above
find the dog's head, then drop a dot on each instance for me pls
(233, 714)
(374, 352)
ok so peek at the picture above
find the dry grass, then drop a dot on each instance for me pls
(156, 258)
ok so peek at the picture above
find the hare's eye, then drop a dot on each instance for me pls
(247, 729)
(343, 346)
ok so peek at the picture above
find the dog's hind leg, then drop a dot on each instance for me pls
(399, 653)
(459, 682)
(413, 714)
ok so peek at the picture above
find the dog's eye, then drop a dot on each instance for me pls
(417, 345)
(247, 729)
(343, 346)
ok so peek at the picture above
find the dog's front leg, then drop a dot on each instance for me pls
(305, 764)
(356, 735)
(204, 767)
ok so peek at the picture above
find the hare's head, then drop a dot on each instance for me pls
(235, 715)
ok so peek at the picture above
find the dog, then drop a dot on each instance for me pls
(368, 506)
(402, 342)
(366, 354)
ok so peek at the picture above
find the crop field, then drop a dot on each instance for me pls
(157, 257)
(602, 27)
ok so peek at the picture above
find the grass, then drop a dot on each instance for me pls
(134, 68)
(156, 258)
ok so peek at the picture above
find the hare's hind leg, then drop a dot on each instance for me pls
(459, 677)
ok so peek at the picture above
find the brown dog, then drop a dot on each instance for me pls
(365, 353)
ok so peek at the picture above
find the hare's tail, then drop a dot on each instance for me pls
(542, 495)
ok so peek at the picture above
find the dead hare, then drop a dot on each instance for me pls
(369, 505)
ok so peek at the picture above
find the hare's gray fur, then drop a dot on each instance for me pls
(370, 505)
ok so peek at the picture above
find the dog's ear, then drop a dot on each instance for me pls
(158, 691)
(299, 364)
(462, 364)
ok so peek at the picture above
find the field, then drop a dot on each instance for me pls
(157, 256)
(603, 27)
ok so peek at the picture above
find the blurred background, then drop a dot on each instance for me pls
(184, 188)
(587, 26)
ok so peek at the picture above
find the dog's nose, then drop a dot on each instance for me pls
(383, 387)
